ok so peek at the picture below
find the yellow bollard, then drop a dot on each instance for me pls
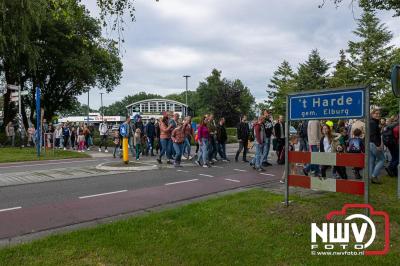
(125, 151)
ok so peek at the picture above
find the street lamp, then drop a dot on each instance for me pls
(186, 77)
(102, 111)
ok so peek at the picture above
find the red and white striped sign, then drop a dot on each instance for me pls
(328, 184)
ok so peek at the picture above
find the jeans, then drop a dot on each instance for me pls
(203, 151)
(178, 147)
(165, 147)
(394, 152)
(267, 146)
(313, 167)
(103, 141)
(138, 151)
(376, 160)
(65, 141)
(303, 144)
(186, 146)
(259, 153)
(242, 146)
(222, 150)
(133, 149)
(212, 152)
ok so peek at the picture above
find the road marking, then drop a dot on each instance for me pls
(43, 164)
(266, 174)
(102, 194)
(240, 170)
(183, 171)
(206, 175)
(214, 166)
(180, 182)
(232, 180)
(10, 209)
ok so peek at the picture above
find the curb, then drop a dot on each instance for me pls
(132, 168)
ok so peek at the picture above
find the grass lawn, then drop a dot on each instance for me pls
(248, 228)
(8, 155)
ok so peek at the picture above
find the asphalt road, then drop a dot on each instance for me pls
(29, 208)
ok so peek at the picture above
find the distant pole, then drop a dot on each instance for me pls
(88, 108)
(186, 77)
(38, 124)
(102, 111)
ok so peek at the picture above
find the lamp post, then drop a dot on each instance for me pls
(186, 77)
(88, 108)
(102, 111)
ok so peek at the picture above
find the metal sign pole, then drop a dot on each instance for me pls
(366, 157)
(287, 121)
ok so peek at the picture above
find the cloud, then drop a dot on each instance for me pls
(246, 39)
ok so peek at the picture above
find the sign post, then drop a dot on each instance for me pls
(396, 92)
(38, 121)
(323, 105)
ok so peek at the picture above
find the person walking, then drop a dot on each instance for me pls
(376, 157)
(303, 137)
(326, 145)
(57, 136)
(65, 135)
(212, 130)
(243, 132)
(314, 137)
(178, 139)
(222, 138)
(203, 136)
(73, 138)
(10, 133)
(189, 133)
(165, 139)
(86, 133)
(259, 137)
(279, 130)
(268, 127)
(103, 130)
(150, 134)
(137, 142)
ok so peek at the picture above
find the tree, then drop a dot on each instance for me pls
(372, 55)
(281, 83)
(313, 74)
(73, 57)
(193, 100)
(344, 74)
(224, 98)
(372, 4)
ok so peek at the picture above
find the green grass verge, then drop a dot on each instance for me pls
(249, 228)
(8, 155)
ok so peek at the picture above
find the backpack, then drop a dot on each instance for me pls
(123, 129)
(355, 145)
(388, 136)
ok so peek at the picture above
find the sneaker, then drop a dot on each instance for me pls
(268, 164)
(137, 159)
(65, 149)
(375, 180)
(177, 165)
(190, 157)
(99, 150)
(159, 161)
(236, 160)
(169, 162)
(205, 166)
(245, 161)
(261, 169)
(198, 163)
(88, 149)
(225, 161)
(106, 151)
(281, 181)
(305, 172)
(214, 160)
(184, 158)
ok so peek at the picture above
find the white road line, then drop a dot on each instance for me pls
(206, 175)
(240, 170)
(44, 164)
(183, 171)
(10, 209)
(267, 174)
(102, 194)
(232, 180)
(180, 182)
(214, 166)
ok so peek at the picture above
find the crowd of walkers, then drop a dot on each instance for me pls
(170, 138)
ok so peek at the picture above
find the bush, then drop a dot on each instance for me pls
(231, 131)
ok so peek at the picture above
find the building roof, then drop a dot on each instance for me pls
(157, 100)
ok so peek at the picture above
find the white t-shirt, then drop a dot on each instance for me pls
(327, 145)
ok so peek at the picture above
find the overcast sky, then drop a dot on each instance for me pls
(245, 39)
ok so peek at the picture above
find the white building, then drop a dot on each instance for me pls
(154, 108)
(94, 118)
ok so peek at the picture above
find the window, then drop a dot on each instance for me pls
(178, 108)
(153, 107)
(144, 107)
(136, 108)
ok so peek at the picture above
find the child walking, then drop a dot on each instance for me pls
(117, 143)
(81, 142)
(356, 145)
